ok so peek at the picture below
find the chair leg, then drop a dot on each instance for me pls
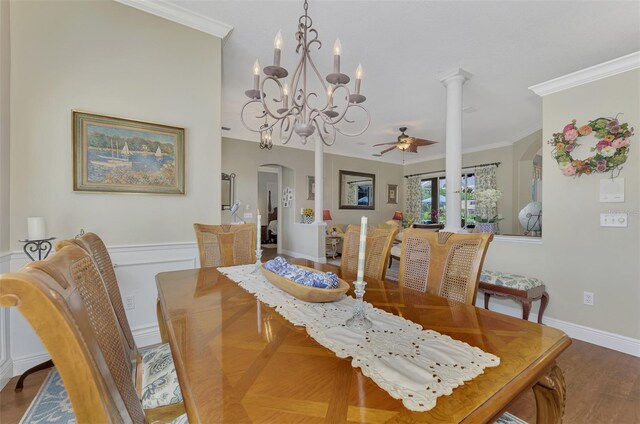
(487, 296)
(526, 308)
(390, 261)
(543, 305)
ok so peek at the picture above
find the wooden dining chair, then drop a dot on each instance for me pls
(159, 381)
(379, 241)
(65, 300)
(226, 245)
(446, 263)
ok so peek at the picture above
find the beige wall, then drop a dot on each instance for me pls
(579, 254)
(108, 58)
(5, 68)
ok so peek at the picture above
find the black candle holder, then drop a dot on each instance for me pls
(41, 247)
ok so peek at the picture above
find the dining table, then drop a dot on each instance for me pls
(238, 360)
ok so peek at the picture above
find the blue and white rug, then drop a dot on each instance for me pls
(51, 404)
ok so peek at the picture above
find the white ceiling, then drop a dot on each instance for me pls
(403, 46)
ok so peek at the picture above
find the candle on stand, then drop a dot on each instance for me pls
(361, 249)
(36, 229)
(258, 231)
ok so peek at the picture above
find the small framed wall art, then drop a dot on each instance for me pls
(120, 155)
(311, 187)
(392, 194)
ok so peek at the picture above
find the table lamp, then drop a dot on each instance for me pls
(326, 216)
(397, 215)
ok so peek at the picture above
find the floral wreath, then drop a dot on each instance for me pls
(611, 151)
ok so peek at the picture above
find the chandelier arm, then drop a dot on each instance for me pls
(365, 127)
(315, 70)
(322, 130)
(257, 116)
(288, 131)
(341, 115)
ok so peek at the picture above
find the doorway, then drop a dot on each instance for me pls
(269, 193)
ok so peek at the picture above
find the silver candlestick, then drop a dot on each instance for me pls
(258, 263)
(359, 319)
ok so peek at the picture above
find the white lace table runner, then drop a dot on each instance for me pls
(410, 363)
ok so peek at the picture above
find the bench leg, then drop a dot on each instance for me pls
(543, 305)
(526, 308)
(487, 296)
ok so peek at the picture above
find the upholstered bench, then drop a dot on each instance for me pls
(518, 287)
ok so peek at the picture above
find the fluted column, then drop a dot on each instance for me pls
(319, 177)
(454, 81)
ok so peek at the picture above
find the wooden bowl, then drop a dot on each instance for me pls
(306, 293)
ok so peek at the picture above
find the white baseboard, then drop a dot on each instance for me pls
(23, 363)
(147, 335)
(594, 336)
(6, 372)
(302, 256)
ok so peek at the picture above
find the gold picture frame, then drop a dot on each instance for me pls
(120, 155)
(392, 194)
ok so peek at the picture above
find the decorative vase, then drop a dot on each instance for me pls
(308, 219)
(487, 227)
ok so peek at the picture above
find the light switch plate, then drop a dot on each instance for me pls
(613, 219)
(612, 190)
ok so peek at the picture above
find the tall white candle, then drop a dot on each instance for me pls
(361, 248)
(36, 228)
(258, 231)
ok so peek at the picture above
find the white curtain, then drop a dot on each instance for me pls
(485, 180)
(413, 199)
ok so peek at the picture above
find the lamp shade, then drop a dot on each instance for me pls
(397, 215)
(326, 215)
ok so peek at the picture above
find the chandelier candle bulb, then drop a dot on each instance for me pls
(361, 248)
(256, 75)
(337, 50)
(285, 93)
(277, 49)
(359, 74)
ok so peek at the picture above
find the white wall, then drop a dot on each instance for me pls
(108, 58)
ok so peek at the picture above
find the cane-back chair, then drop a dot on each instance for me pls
(379, 241)
(226, 245)
(66, 302)
(447, 264)
(159, 380)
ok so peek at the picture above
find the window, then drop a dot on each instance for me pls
(434, 200)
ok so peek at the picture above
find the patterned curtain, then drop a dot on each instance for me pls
(485, 180)
(352, 194)
(413, 199)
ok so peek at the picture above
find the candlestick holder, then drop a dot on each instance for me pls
(40, 247)
(258, 263)
(359, 320)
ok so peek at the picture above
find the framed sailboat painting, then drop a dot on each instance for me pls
(121, 155)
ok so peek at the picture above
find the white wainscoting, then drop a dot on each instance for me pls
(6, 364)
(136, 267)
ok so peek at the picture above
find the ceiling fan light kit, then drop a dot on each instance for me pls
(301, 116)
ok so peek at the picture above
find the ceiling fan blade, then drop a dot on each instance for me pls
(387, 150)
(413, 148)
(422, 142)
(385, 144)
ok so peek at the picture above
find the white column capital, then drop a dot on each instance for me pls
(457, 74)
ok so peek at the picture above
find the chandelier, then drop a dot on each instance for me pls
(296, 108)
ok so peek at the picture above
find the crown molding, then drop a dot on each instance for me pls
(180, 15)
(584, 76)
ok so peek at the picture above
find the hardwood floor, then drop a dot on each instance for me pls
(603, 386)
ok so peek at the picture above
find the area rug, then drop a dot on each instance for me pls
(51, 405)
(508, 418)
(269, 245)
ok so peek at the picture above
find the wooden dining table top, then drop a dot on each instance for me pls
(238, 360)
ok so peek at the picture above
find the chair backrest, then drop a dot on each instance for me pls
(393, 223)
(448, 264)
(226, 245)
(96, 248)
(68, 306)
(431, 227)
(379, 241)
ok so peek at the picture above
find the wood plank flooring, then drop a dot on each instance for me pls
(603, 386)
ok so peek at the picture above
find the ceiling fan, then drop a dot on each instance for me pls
(404, 143)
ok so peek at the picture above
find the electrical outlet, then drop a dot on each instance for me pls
(129, 303)
(588, 298)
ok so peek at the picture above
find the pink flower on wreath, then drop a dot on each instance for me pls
(568, 127)
(602, 144)
(619, 142)
(569, 147)
(571, 135)
(569, 171)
